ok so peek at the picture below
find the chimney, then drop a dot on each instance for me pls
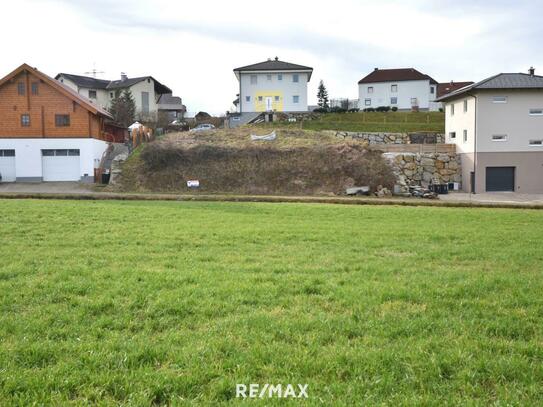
(124, 77)
(531, 71)
(452, 82)
(269, 59)
(277, 58)
(375, 69)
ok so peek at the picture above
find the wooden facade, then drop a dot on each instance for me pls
(33, 105)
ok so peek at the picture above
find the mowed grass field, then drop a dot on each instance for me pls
(392, 122)
(172, 303)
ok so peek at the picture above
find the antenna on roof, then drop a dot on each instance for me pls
(93, 71)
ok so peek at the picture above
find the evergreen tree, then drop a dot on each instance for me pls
(123, 108)
(322, 96)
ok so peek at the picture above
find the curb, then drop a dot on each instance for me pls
(264, 198)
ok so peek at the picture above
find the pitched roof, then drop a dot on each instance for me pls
(395, 75)
(93, 83)
(64, 89)
(501, 81)
(85, 81)
(444, 88)
(274, 65)
(122, 84)
(168, 99)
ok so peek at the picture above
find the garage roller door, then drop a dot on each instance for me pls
(60, 165)
(500, 179)
(7, 165)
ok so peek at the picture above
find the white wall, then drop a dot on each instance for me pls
(382, 93)
(284, 88)
(28, 158)
(511, 118)
(459, 122)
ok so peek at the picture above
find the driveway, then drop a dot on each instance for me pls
(494, 197)
(47, 187)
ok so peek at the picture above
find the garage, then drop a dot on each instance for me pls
(500, 179)
(7, 166)
(61, 165)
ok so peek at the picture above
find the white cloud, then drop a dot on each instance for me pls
(192, 47)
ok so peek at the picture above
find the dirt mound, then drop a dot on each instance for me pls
(254, 168)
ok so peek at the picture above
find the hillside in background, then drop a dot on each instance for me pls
(394, 122)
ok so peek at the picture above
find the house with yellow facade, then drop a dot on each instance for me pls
(268, 87)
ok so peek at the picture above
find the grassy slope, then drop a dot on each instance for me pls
(394, 122)
(139, 302)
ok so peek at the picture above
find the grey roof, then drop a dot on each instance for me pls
(85, 81)
(93, 83)
(168, 99)
(120, 84)
(501, 81)
(274, 65)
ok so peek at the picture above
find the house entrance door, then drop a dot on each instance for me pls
(268, 104)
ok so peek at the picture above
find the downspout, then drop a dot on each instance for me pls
(240, 98)
(475, 147)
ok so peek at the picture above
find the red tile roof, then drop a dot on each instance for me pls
(444, 88)
(396, 75)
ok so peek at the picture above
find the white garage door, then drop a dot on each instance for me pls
(60, 165)
(7, 165)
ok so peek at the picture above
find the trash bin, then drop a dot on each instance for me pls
(105, 178)
(443, 189)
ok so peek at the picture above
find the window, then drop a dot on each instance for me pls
(62, 120)
(367, 102)
(370, 89)
(280, 77)
(414, 102)
(452, 135)
(254, 79)
(247, 98)
(295, 78)
(34, 88)
(394, 88)
(499, 137)
(465, 106)
(277, 98)
(394, 101)
(536, 112)
(111, 95)
(465, 136)
(295, 99)
(60, 153)
(260, 98)
(7, 153)
(452, 110)
(145, 102)
(432, 90)
(92, 94)
(25, 120)
(268, 77)
(148, 80)
(236, 118)
(21, 88)
(499, 99)
(536, 143)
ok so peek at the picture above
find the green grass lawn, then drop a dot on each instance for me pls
(142, 303)
(393, 122)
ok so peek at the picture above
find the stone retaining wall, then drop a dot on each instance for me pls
(423, 169)
(390, 138)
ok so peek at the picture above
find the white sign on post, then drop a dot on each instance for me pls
(193, 184)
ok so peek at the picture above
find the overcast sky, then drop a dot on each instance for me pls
(193, 46)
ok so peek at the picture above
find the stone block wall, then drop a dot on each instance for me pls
(389, 138)
(425, 168)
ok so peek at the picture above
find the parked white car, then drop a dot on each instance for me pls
(203, 127)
